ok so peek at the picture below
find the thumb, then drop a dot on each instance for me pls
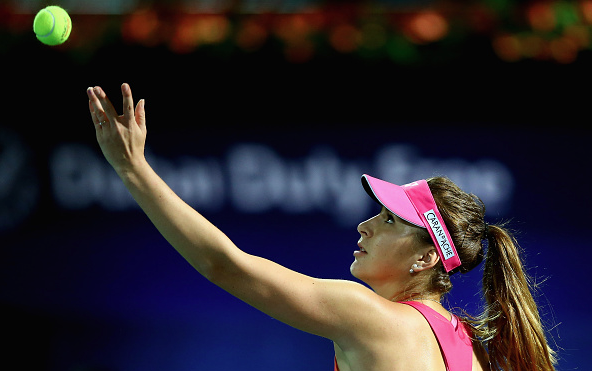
(140, 114)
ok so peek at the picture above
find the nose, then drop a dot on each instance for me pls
(364, 228)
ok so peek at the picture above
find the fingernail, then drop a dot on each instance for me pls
(125, 87)
(89, 90)
(97, 90)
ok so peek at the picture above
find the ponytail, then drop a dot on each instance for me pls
(510, 326)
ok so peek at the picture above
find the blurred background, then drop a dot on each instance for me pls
(263, 115)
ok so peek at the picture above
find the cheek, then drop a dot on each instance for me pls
(389, 246)
(396, 251)
(384, 256)
(372, 268)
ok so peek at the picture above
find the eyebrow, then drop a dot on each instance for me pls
(388, 212)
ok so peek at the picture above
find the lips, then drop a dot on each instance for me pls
(362, 251)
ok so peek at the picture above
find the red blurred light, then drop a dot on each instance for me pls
(541, 16)
(194, 30)
(141, 26)
(344, 38)
(291, 28)
(426, 27)
(564, 50)
(251, 35)
(586, 10)
(507, 48)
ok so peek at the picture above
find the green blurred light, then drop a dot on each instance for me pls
(400, 50)
(566, 13)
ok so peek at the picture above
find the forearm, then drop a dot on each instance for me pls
(203, 245)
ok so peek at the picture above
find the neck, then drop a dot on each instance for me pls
(417, 297)
(398, 290)
(404, 291)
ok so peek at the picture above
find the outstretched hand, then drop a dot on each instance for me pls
(122, 138)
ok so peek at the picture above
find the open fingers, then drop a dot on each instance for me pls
(128, 103)
(95, 107)
(103, 105)
(140, 114)
(93, 115)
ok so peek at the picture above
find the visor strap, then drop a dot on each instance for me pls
(421, 197)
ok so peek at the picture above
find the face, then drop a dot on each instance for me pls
(388, 248)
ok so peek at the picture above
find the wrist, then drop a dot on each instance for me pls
(131, 169)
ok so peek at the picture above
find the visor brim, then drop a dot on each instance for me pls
(393, 198)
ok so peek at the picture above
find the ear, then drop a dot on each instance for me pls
(429, 259)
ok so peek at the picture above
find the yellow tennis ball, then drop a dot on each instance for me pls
(52, 25)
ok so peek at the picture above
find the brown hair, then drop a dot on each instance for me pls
(510, 325)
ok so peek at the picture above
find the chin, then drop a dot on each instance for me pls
(355, 270)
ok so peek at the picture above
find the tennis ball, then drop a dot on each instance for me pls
(52, 25)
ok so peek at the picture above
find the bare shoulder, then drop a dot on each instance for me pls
(391, 335)
(389, 339)
(380, 321)
(365, 316)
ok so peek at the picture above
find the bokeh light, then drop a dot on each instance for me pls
(427, 27)
(345, 38)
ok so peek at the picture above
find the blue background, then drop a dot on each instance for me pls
(89, 284)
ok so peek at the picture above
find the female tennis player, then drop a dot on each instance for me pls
(426, 231)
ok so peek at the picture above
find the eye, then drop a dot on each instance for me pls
(389, 218)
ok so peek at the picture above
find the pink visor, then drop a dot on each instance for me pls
(414, 203)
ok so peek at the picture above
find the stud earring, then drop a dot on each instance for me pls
(414, 266)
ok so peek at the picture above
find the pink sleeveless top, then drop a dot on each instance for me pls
(453, 338)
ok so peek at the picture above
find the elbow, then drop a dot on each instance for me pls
(218, 269)
(213, 272)
(206, 269)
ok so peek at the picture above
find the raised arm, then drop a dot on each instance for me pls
(329, 308)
